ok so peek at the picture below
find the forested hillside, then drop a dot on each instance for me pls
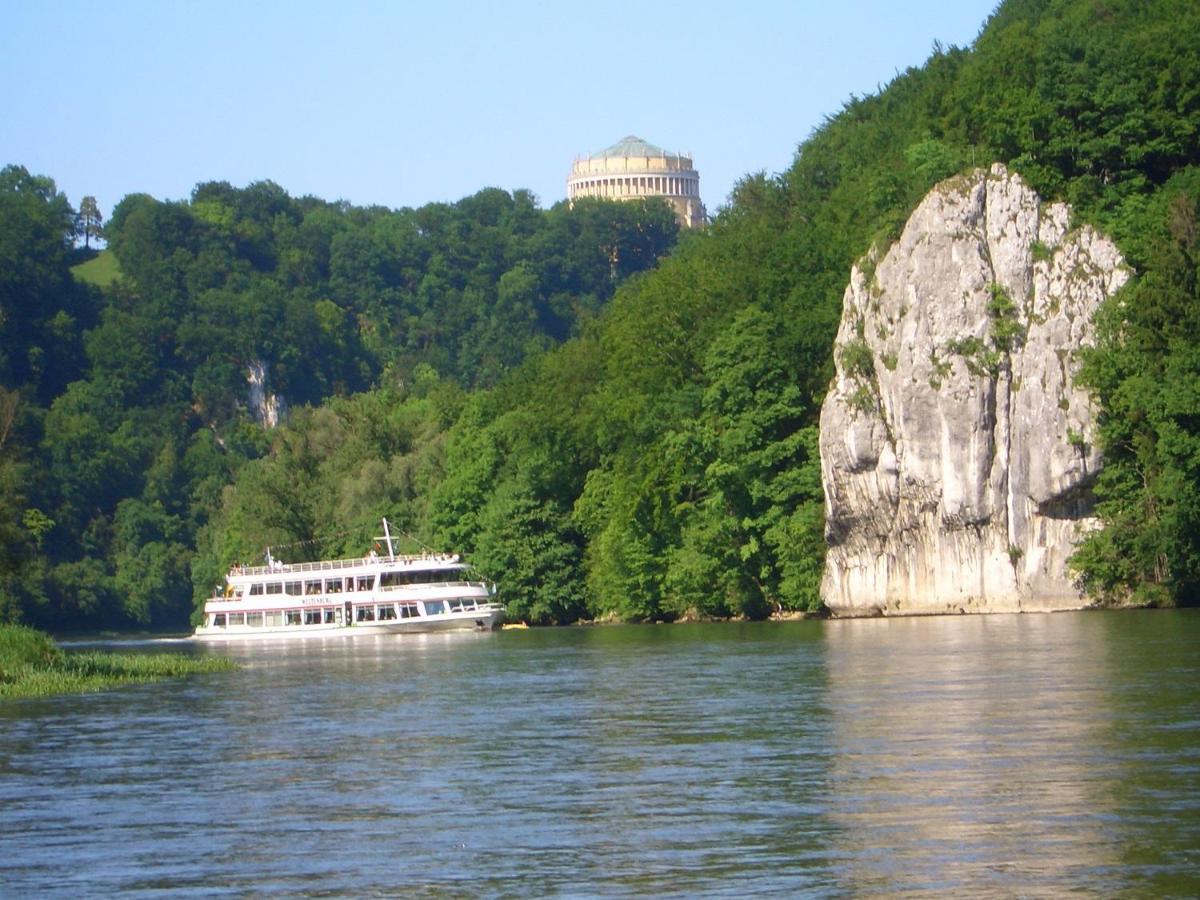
(661, 462)
(126, 411)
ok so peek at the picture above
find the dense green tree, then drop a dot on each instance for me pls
(535, 550)
(22, 527)
(763, 469)
(152, 564)
(43, 312)
(1147, 371)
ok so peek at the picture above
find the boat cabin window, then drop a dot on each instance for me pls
(386, 612)
(333, 585)
(364, 614)
(292, 616)
(312, 587)
(274, 587)
(274, 618)
(434, 607)
(408, 610)
(330, 618)
(312, 617)
(419, 576)
(292, 588)
(366, 582)
(254, 619)
(237, 618)
(256, 590)
(219, 620)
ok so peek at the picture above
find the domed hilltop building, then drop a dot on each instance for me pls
(632, 169)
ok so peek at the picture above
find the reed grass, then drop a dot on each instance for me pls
(33, 665)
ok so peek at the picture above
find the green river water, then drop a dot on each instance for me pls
(1034, 755)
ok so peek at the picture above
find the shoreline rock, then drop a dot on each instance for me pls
(957, 451)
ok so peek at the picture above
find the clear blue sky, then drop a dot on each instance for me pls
(403, 103)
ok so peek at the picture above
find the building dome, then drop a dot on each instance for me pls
(633, 169)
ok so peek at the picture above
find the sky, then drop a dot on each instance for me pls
(404, 103)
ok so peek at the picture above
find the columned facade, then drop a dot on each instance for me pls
(632, 169)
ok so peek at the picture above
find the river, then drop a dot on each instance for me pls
(1032, 755)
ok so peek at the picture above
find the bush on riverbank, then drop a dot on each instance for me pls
(33, 665)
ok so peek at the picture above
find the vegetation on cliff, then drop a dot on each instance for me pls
(488, 374)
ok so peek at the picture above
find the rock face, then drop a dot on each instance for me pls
(268, 409)
(956, 450)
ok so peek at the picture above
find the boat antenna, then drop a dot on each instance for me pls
(387, 536)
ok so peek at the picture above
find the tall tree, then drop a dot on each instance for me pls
(89, 220)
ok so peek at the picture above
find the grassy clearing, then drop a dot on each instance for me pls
(33, 665)
(101, 270)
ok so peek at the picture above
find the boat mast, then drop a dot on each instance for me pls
(387, 536)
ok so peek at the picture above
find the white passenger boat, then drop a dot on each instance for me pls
(379, 593)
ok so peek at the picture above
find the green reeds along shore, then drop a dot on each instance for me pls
(33, 665)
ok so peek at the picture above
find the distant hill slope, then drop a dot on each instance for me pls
(101, 270)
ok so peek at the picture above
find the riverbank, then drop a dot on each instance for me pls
(33, 665)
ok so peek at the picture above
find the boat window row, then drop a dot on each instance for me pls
(313, 586)
(425, 576)
(387, 612)
(324, 586)
(462, 604)
(381, 612)
(276, 618)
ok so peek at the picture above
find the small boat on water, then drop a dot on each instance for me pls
(380, 593)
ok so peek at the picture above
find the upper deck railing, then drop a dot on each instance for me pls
(327, 565)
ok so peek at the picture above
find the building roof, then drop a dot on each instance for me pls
(632, 145)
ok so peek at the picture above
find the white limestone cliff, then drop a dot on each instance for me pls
(267, 408)
(956, 449)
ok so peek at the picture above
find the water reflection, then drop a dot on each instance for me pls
(981, 755)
